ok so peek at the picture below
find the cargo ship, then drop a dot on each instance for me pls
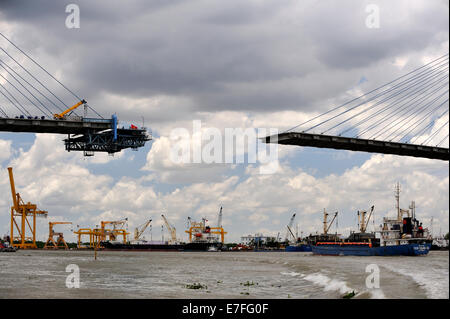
(305, 244)
(142, 246)
(201, 238)
(300, 247)
(400, 236)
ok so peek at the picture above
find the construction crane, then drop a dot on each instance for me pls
(327, 227)
(362, 219)
(289, 226)
(172, 230)
(20, 212)
(62, 115)
(51, 243)
(138, 231)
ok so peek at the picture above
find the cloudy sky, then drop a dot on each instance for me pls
(230, 64)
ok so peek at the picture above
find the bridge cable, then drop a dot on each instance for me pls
(375, 105)
(443, 140)
(37, 90)
(23, 110)
(419, 122)
(435, 133)
(39, 101)
(396, 115)
(23, 94)
(365, 102)
(28, 72)
(403, 108)
(405, 120)
(70, 91)
(364, 110)
(365, 94)
(422, 131)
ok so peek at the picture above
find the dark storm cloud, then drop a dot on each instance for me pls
(256, 56)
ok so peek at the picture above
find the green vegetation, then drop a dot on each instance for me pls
(196, 286)
(248, 283)
(446, 236)
(349, 295)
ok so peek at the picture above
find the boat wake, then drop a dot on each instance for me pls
(340, 286)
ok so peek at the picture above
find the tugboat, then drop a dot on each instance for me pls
(5, 247)
(402, 236)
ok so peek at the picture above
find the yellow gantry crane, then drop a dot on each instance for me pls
(114, 232)
(62, 115)
(60, 242)
(198, 228)
(20, 214)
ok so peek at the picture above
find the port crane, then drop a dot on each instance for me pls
(219, 218)
(172, 230)
(327, 227)
(289, 229)
(138, 231)
(115, 231)
(362, 219)
(60, 242)
(20, 214)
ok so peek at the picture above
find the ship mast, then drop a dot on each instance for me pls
(325, 216)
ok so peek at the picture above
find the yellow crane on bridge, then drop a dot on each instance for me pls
(21, 212)
(62, 115)
(60, 242)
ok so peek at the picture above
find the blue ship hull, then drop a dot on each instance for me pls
(350, 250)
(298, 248)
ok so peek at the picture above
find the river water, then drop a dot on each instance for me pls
(42, 274)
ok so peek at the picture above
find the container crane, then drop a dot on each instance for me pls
(172, 230)
(20, 212)
(51, 243)
(114, 232)
(138, 231)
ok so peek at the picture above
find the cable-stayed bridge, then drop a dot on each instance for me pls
(407, 116)
(34, 104)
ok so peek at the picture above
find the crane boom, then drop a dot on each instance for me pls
(289, 226)
(331, 223)
(13, 189)
(171, 229)
(140, 229)
(364, 222)
(70, 109)
(219, 219)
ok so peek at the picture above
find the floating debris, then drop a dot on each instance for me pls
(248, 283)
(196, 286)
(349, 295)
